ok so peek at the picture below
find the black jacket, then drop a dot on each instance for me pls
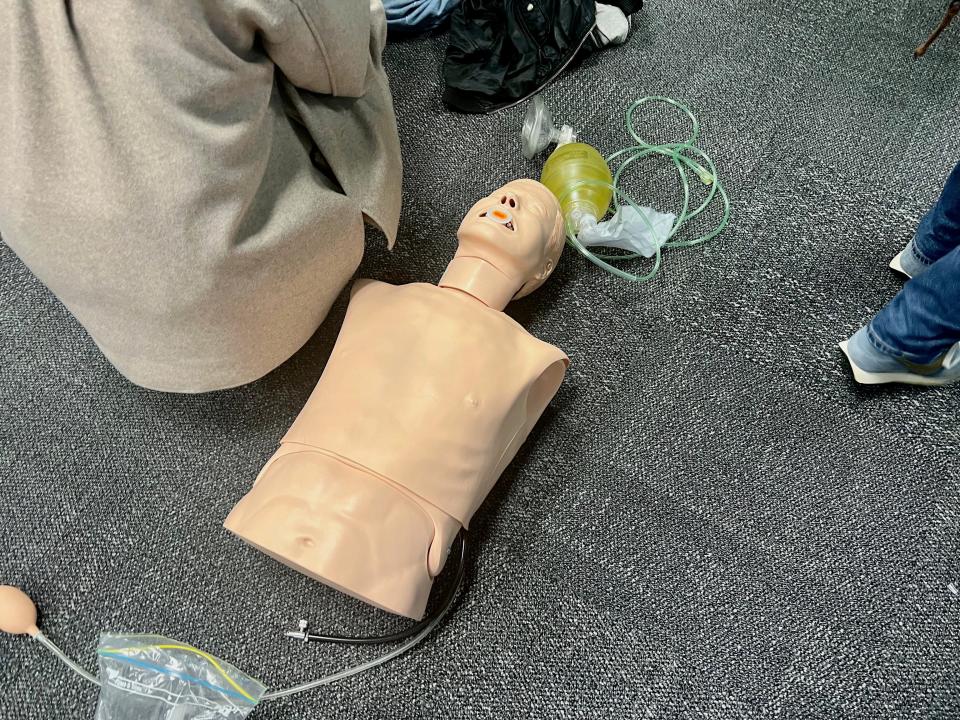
(503, 51)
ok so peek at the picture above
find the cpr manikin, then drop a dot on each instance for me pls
(427, 396)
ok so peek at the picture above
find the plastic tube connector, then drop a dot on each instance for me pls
(564, 135)
(705, 177)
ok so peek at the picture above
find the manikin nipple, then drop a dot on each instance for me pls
(18, 614)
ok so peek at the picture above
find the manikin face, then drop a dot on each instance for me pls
(517, 229)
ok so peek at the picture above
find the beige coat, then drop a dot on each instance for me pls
(156, 174)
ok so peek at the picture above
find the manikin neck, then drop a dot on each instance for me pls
(481, 280)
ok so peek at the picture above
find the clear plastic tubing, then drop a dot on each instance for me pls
(78, 669)
(572, 188)
(357, 669)
(278, 694)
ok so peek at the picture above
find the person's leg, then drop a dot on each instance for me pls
(915, 338)
(937, 234)
(923, 321)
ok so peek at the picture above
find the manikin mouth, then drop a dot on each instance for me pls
(499, 216)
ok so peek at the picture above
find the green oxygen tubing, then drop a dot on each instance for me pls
(580, 178)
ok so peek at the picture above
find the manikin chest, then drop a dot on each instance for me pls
(427, 387)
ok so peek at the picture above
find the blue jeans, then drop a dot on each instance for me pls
(923, 321)
(416, 16)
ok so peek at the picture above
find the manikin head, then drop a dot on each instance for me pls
(510, 242)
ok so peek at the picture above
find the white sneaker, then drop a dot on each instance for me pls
(906, 262)
(872, 367)
(897, 265)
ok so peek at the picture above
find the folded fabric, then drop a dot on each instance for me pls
(416, 16)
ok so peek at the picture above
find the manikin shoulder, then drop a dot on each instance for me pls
(417, 299)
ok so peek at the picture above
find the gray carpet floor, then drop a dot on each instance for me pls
(712, 520)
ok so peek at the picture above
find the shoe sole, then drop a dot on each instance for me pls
(897, 265)
(868, 378)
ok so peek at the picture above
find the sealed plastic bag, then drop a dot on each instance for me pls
(150, 677)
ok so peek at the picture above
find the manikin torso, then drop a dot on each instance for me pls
(427, 396)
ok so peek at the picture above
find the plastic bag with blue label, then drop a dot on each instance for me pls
(151, 677)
